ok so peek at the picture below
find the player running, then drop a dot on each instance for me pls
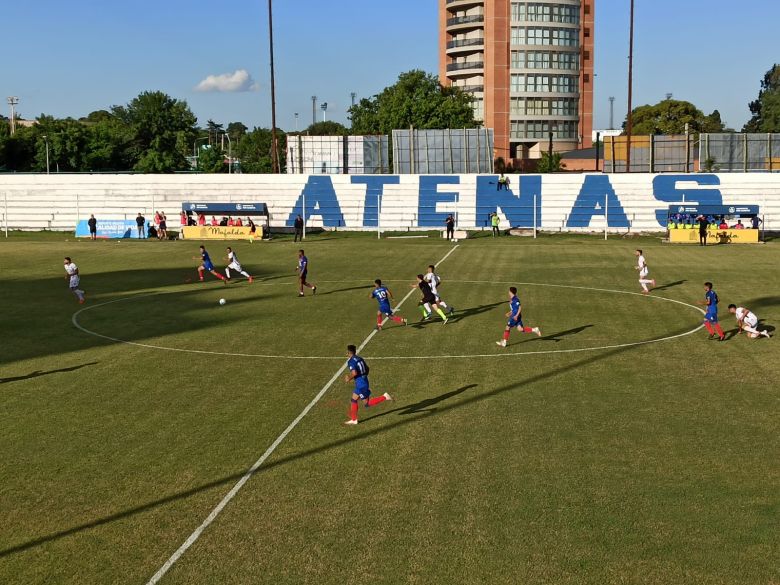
(428, 301)
(711, 316)
(434, 280)
(358, 371)
(303, 270)
(383, 296)
(206, 264)
(641, 266)
(73, 278)
(747, 321)
(515, 318)
(235, 265)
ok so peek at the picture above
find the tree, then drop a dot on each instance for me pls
(214, 130)
(211, 159)
(236, 131)
(416, 99)
(254, 151)
(326, 128)
(161, 129)
(670, 117)
(766, 109)
(550, 164)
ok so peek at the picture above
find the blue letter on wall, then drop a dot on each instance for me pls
(375, 185)
(518, 209)
(596, 196)
(665, 189)
(427, 216)
(320, 200)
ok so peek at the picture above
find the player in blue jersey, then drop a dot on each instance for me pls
(358, 371)
(515, 318)
(711, 316)
(383, 296)
(303, 270)
(206, 264)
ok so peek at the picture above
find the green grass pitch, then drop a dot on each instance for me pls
(550, 461)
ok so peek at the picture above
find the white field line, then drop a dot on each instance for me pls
(240, 483)
(501, 354)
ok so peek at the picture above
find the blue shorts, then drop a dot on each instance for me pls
(386, 309)
(303, 275)
(711, 317)
(515, 322)
(208, 266)
(361, 387)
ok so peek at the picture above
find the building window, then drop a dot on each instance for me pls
(517, 83)
(479, 109)
(517, 36)
(518, 60)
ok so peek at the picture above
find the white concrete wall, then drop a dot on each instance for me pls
(564, 202)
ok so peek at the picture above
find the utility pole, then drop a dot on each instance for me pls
(629, 118)
(612, 113)
(296, 122)
(324, 108)
(353, 95)
(314, 109)
(12, 101)
(46, 140)
(274, 145)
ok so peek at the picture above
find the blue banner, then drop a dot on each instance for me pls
(109, 228)
(226, 208)
(714, 209)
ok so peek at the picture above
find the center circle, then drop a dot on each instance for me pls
(496, 354)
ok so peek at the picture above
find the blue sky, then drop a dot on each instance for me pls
(68, 58)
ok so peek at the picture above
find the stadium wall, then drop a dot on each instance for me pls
(566, 202)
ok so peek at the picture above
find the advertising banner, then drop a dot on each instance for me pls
(208, 232)
(717, 236)
(109, 228)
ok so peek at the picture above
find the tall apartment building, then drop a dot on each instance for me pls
(529, 66)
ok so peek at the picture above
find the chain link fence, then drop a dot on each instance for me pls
(338, 155)
(443, 151)
(739, 153)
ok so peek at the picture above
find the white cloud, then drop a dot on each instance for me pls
(238, 81)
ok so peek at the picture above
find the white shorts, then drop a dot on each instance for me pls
(751, 322)
(74, 281)
(644, 272)
(235, 266)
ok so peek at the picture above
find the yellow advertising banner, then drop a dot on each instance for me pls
(213, 232)
(679, 236)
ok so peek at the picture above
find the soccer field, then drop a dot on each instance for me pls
(621, 446)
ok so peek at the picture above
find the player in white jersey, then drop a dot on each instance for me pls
(235, 265)
(644, 271)
(73, 279)
(434, 280)
(747, 321)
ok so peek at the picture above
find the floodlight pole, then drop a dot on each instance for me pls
(629, 117)
(12, 101)
(274, 147)
(46, 140)
(230, 154)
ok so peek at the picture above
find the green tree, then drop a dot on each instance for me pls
(236, 131)
(326, 128)
(416, 99)
(254, 151)
(161, 130)
(766, 109)
(670, 117)
(211, 159)
(214, 130)
(550, 164)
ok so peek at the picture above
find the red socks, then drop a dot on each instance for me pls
(353, 410)
(506, 335)
(709, 327)
(379, 320)
(374, 401)
(719, 331)
(527, 330)
(397, 319)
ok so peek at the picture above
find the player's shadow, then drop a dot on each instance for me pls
(670, 285)
(761, 326)
(556, 337)
(459, 314)
(426, 405)
(39, 373)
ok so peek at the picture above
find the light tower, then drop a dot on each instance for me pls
(611, 113)
(12, 101)
(314, 109)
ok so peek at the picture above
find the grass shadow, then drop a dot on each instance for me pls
(39, 373)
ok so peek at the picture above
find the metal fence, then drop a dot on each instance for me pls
(443, 151)
(337, 155)
(650, 154)
(740, 153)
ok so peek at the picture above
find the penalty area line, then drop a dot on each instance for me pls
(192, 538)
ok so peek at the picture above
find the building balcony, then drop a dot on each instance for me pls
(463, 4)
(465, 46)
(471, 88)
(467, 68)
(461, 23)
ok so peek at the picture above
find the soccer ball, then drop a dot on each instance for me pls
(222, 301)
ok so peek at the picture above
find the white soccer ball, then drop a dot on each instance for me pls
(222, 301)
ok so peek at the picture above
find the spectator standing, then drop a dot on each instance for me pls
(755, 221)
(183, 219)
(163, 233)
(298, 229)
(703, 225)
(201, 219)
(495, 221)
(450, 225)
(502, 182)
(139, 223)
(92, 223)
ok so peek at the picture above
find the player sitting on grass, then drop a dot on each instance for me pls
(515, 318)
(358, 371)
(206, 264)
(383, 296)
(235, 265)
(747, 321)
